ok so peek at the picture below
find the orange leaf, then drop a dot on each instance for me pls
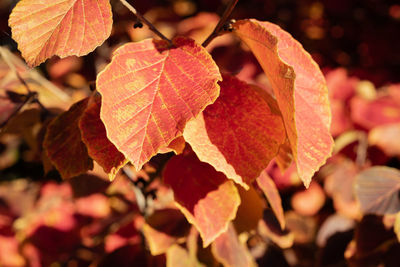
(230, 252)
(284, 158)
(300, 90)
(268, 186)
(96, 205)
(177, 256)
(63, 143)
(9, 252)
(250, 210)
(206, 197)
(99, 147)
(43, 29)
(177, 146)
(308, 201)
(150, 91)
(239, 134)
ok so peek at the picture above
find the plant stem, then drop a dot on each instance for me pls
(217, 30)
(145, 21)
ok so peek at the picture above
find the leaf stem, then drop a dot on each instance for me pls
(217, 30)
(145, 21)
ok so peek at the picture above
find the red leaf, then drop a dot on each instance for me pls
(340, 85)
(371, 113)
(286, 179)
(240, 133)
(300, 90)
(230, 252)
(95, 205)
(99, 147)
(341, 121)
(63, 143)
(268, 186)
(206, 197)
(43, 29)
(150, 91)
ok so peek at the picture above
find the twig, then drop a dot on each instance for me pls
(362, 149)
(29, 97)
(221, 23)
(145, 21)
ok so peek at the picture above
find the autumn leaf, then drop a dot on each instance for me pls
(286, 179)
(339, 185)
(177, 256)
(240, 133)
(228, 250)
(301, 229)
(95, 206)
(386, 137)
(94, 136)
(309, 201)
(368, 114)
(164, 228)
(63, 143)
(9, 252)
(284, 158)
(7, 108)
(250, 210)
(397, 226)
(149, 91)
(270, 191)
(177, 146)
(331, 226)
(206, 197)
(189, 255)
(377, 190)
(270, 229)
(340, 85)
(43, 29)
(300, 90)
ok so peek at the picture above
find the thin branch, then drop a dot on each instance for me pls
(29, 97)
(217, 30)
(145, 21)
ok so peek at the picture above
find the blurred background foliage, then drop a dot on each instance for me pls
(87, 220)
